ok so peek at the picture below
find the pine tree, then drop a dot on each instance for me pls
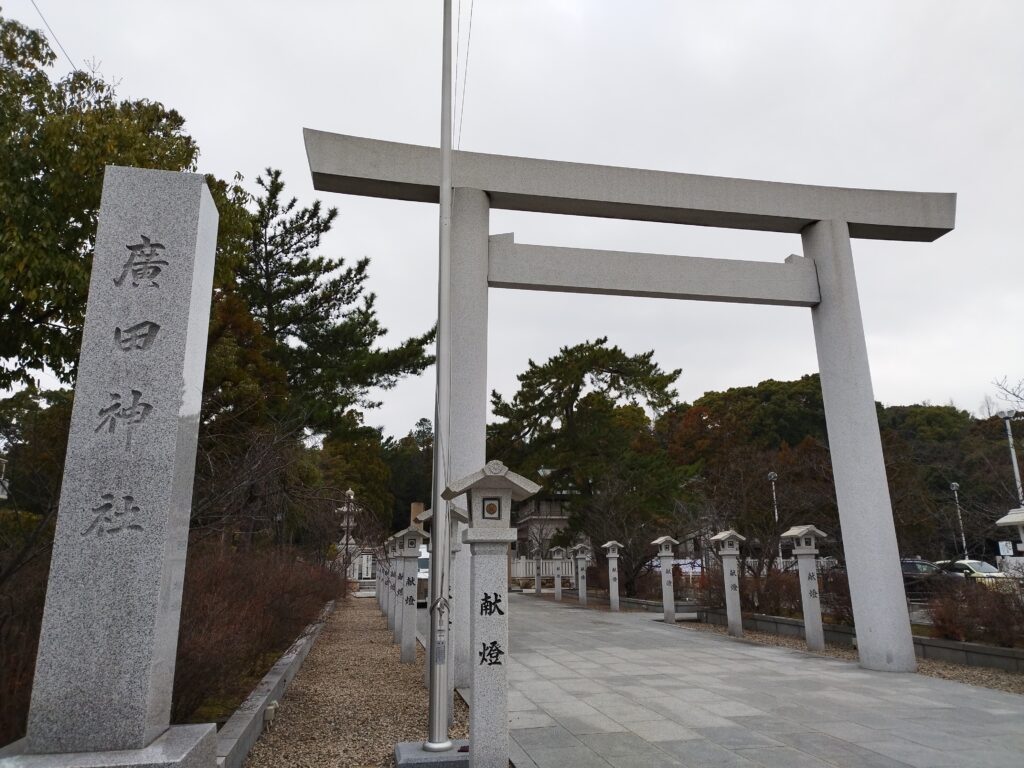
(317, 312)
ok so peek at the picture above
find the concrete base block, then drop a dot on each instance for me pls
(411, 753)
(181, 746)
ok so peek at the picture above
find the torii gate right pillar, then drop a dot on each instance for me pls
(884, 638)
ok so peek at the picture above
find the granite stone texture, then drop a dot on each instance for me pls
(613, 582)
(581, 580)
(730, 572)
(558, 580)
(408, 613)
(396, 635)
(488, 708)
(884, 641)
(355, 165)
(106, 656)
(810, 597)
(668, 595)
(181, 746)
(468, 404)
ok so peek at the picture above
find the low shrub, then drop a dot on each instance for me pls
(974, 612)
(240, 610)
(21, 615)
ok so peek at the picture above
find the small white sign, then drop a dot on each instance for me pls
(1006, 548)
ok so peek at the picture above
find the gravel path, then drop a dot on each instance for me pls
(352, 700)
(996, 679)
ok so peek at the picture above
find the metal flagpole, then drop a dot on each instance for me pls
(437, 738)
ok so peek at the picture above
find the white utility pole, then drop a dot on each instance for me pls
(437, 723)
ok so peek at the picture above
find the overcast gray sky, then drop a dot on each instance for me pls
(923, 96)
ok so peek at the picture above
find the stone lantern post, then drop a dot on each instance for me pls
(613, 548)
(389, 567)
(728, 546)
(490, 493)
(400, 573)
(558, 556)
(580, 556)
(411, 539)
(668, 593)
(537, 564)
(805, 547)
(393, 565)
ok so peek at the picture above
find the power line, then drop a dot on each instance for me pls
(465, 75)
(54, 36)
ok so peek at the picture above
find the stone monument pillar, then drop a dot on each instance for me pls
(806, 549)
(558, 556)
(537, 564)
(105, 664)
(613, 573)
(412, 538)
(728, 543)
(490, 493)
(668, 592)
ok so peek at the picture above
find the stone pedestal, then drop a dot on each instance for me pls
(668, 592)
(613, 582)
(811, 600)
(730, 570)
(488, 633)
(581, 579)
(408, 638)
(400, 591)
(105, 664)
(180, 746)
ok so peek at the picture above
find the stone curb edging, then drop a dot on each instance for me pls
(952, 651)
(243, 728)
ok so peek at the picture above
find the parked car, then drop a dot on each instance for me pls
(923, 579)
(976, 570)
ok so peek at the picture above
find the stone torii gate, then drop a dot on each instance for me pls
(822, 279)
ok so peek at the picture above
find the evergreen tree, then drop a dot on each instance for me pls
(317, 312)
(55, 139)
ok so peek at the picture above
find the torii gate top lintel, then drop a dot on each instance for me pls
(370, 167)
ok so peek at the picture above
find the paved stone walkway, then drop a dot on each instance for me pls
(591, 688)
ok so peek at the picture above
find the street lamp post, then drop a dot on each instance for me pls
(1006, 416)
(772, 477)
(954, 487)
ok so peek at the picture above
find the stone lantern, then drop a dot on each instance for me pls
(392, 593)
(490, 493)
(612, 548)
(805, 547)
(558, 556)
(668, 594)
(727, 544)
(1015, 519)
